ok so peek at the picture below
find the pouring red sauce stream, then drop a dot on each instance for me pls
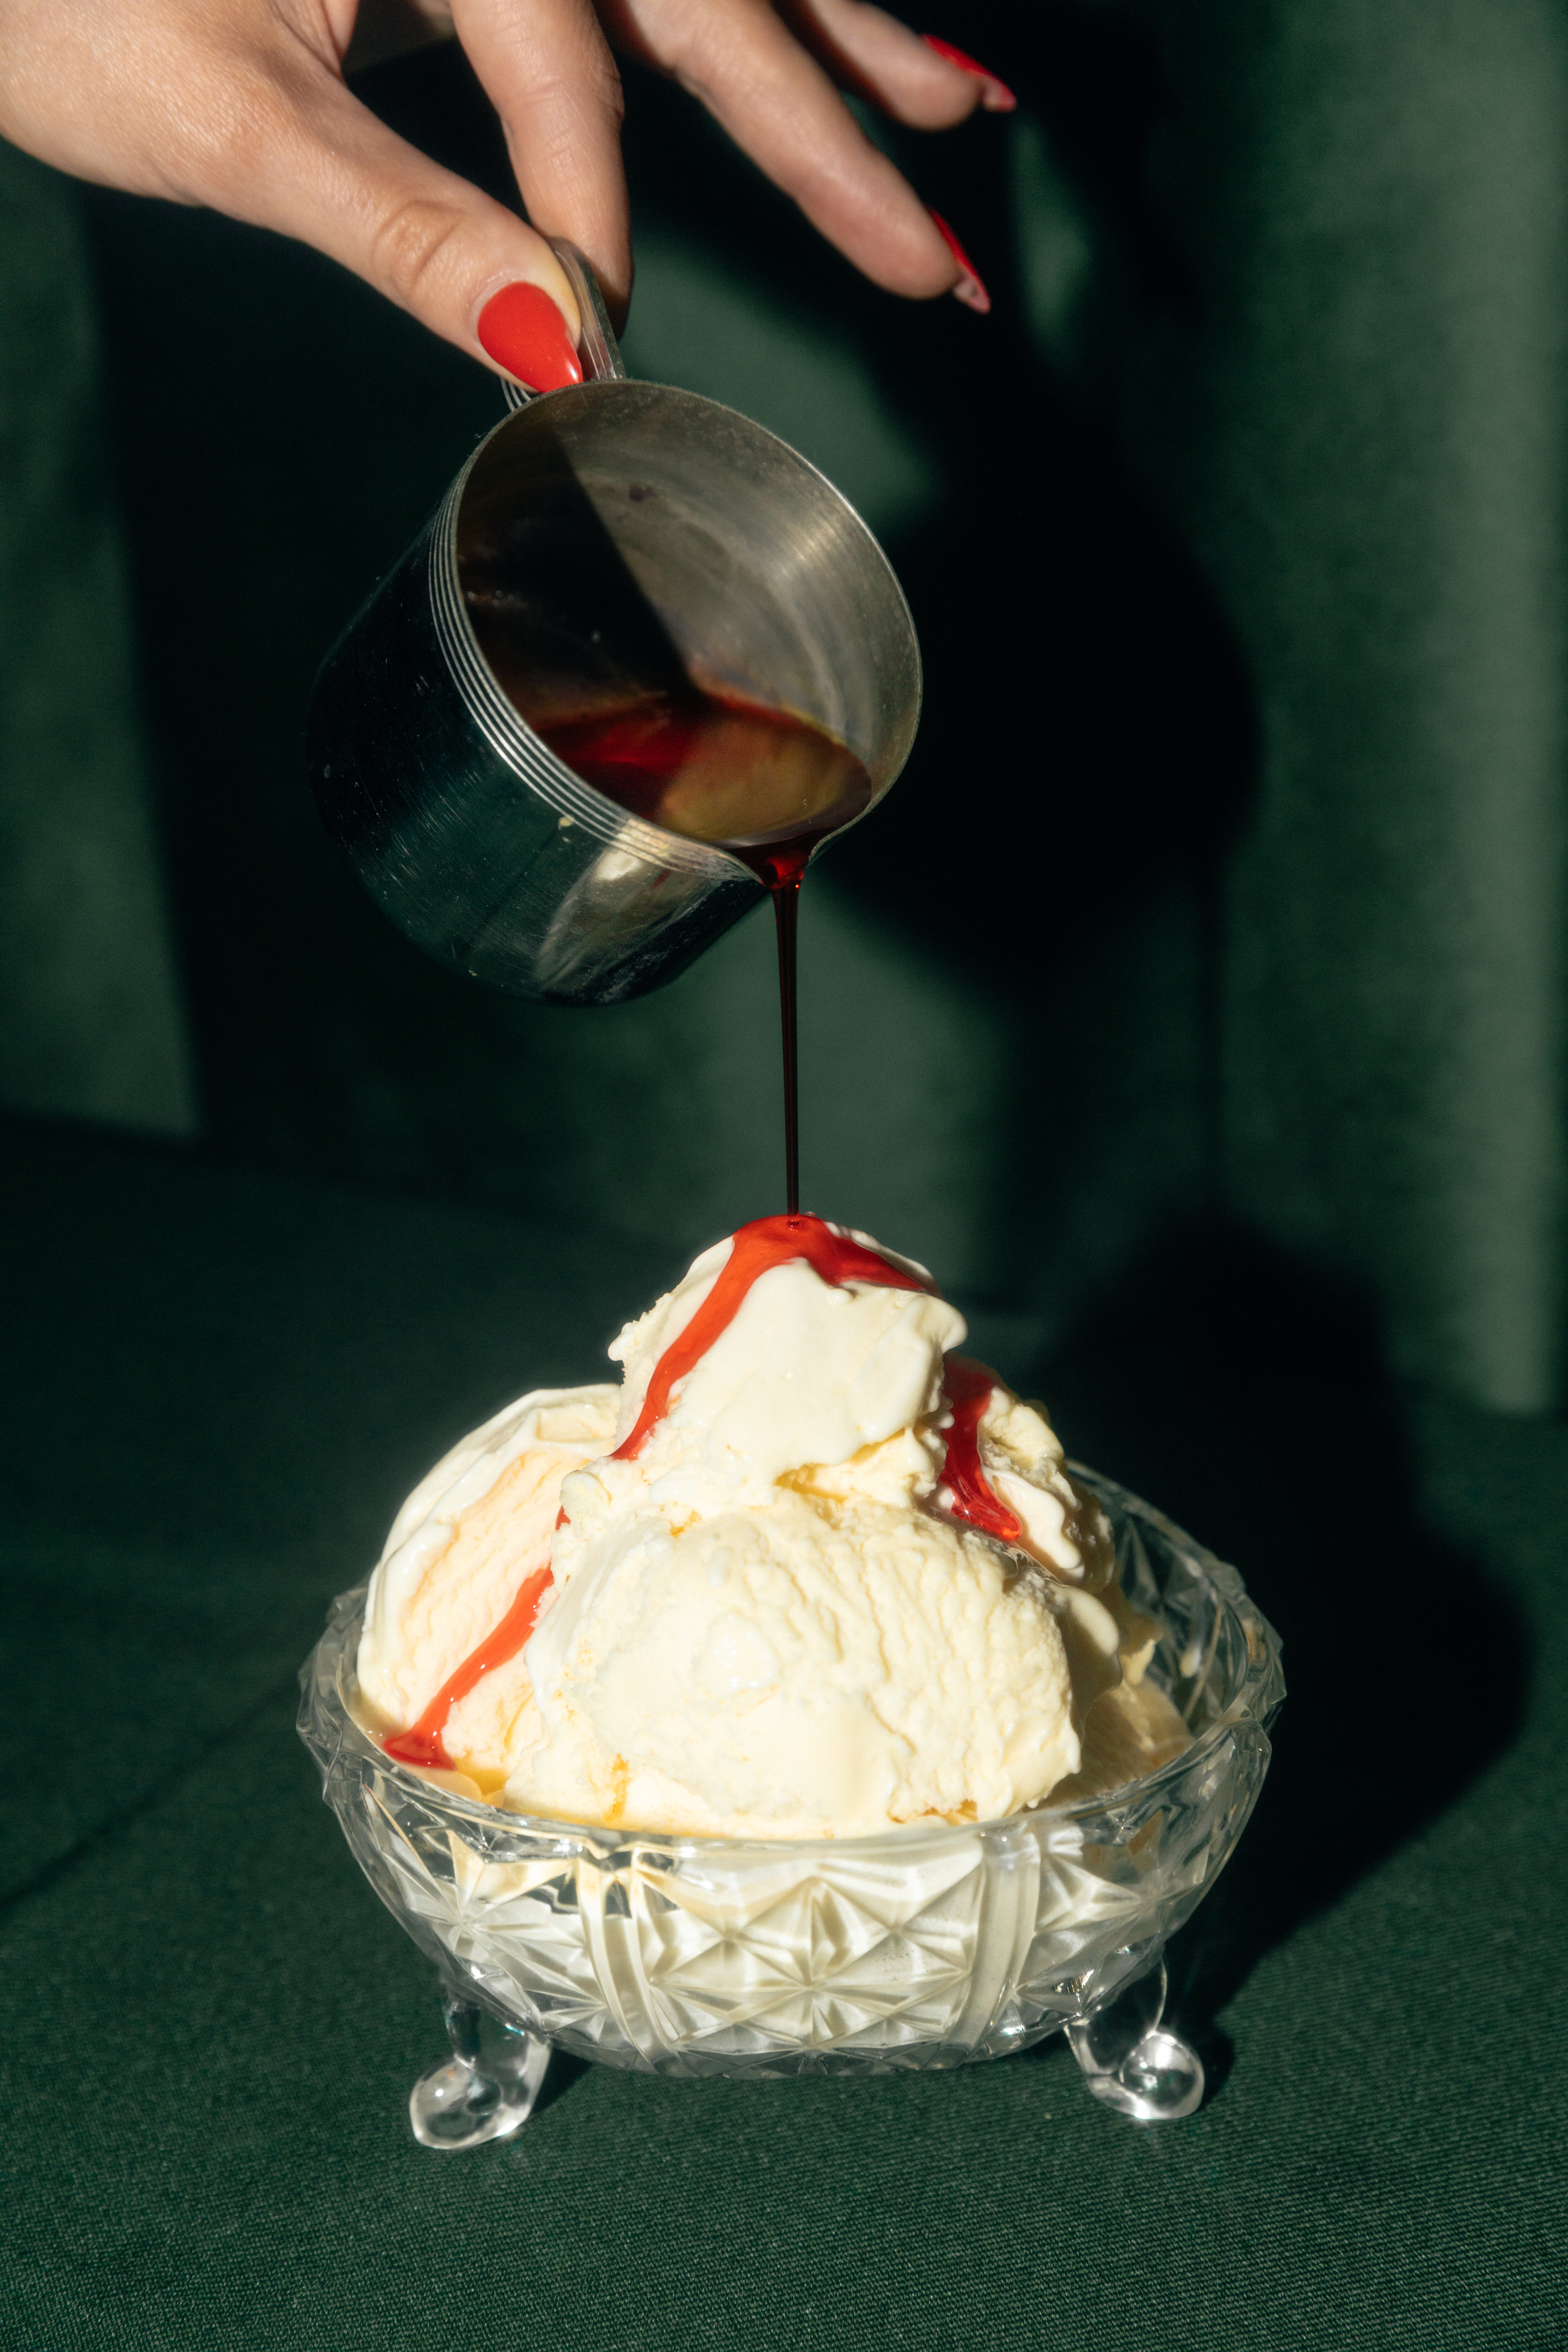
(763, 783)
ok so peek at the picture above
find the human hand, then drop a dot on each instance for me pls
(241, 105)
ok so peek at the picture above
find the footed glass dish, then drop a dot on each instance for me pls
(931, 1945)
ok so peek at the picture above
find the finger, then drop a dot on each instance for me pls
(778, 104)
(913, 77)
(303, 156)
(550, 75)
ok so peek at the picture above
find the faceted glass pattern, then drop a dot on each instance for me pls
(927, 1946)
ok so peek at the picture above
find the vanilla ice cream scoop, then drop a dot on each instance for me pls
(808, 1572)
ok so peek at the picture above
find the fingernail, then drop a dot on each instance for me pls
(971, 287)
(523, 332)
(998, 99)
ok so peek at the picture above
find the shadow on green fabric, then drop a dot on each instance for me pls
(1252, 1397)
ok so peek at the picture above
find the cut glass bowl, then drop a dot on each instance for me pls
(930, 1945)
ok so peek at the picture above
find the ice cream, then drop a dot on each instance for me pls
(806, 1573)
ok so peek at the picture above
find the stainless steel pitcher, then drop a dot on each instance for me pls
(632, 528)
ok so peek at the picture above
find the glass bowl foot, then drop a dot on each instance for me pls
(486, 2090)
(1134, 2062)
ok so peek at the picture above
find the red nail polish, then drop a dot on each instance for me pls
(998, 97)
(523, 332)
(971, 287)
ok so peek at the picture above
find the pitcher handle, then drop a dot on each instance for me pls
(596, 346)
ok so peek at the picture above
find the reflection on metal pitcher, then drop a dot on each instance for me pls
(641, 575)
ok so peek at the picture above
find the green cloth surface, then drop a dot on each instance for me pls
(219, 1387)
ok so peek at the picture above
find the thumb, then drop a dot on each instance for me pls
(464, 265)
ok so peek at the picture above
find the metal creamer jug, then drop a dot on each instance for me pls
(621, 539)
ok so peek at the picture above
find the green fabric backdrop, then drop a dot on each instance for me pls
(90, 1020)
(1235, 541)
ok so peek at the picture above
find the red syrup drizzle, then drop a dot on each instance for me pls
(836, 1258)
(967, 1387)
(423, 1743)
(766, 1241)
